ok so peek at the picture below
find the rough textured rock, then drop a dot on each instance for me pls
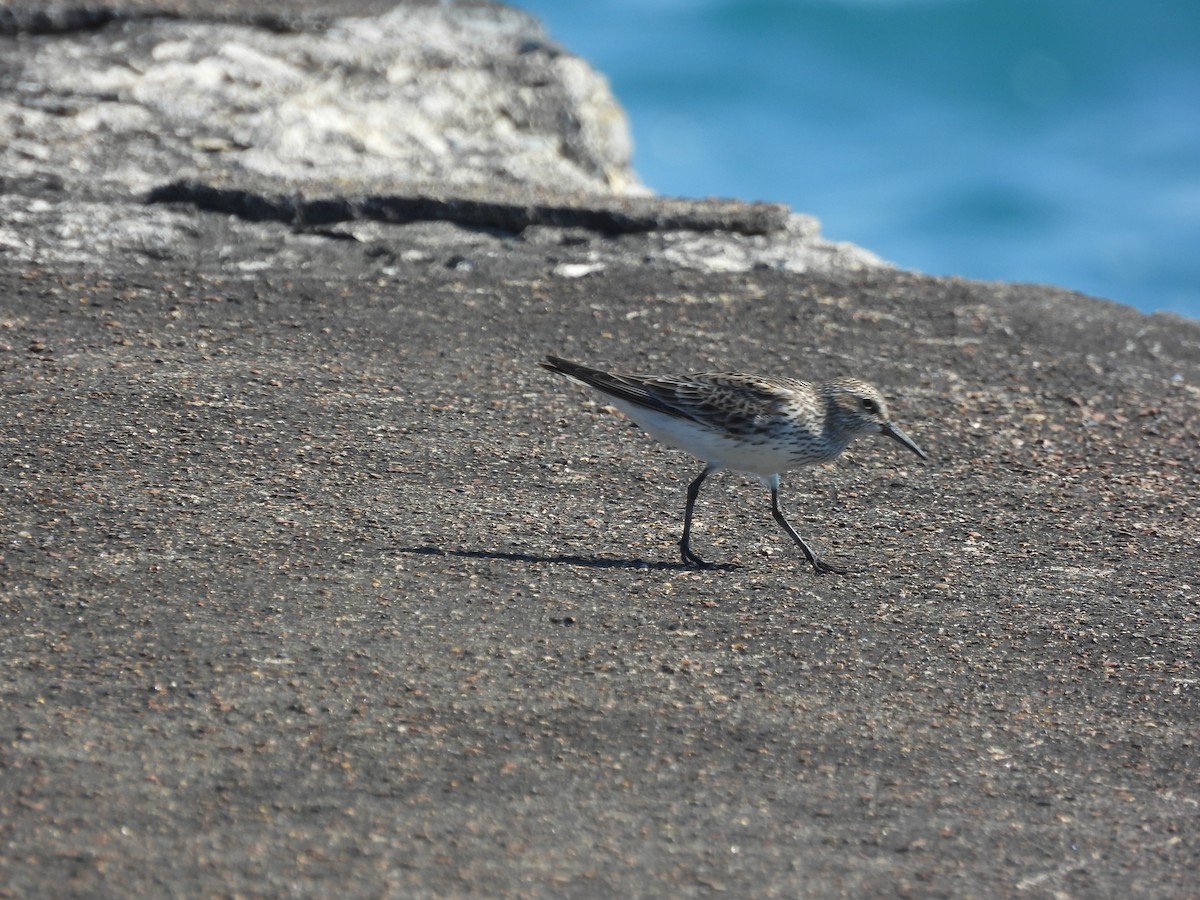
(469, 105)
(312, 583)
(413, 95)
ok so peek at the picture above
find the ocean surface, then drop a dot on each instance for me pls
(1053, 141)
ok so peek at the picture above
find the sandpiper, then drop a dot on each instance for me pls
(748, 423)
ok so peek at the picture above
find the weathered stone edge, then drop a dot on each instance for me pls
(609, 215)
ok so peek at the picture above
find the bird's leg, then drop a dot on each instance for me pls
(685, 549)
(819, 565)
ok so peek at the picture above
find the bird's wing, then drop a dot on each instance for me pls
(721, 400)
(630, 388)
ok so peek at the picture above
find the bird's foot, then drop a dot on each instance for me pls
(823, 568)
(691, 559)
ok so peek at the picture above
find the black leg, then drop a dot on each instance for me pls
(820, 566)
(685, 548)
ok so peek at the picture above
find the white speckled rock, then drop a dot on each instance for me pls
(453, 95)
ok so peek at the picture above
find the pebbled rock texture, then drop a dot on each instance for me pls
(312, 584)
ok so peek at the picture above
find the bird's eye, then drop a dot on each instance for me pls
(870, 405)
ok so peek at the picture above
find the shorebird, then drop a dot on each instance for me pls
(747, 423)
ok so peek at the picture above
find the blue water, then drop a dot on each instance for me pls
(1055, 141)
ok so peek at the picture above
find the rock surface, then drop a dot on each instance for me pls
(469, 112)
(311, 582)
(411, 95)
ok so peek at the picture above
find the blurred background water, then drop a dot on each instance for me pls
(1055, 141)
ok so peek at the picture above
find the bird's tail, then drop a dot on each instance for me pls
(575, 370)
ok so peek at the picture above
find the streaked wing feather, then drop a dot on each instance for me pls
(714, 399)
(630, 388)
(718, 400)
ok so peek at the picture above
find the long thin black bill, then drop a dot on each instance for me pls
(893, 431)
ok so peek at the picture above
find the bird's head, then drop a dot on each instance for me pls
(858, 408)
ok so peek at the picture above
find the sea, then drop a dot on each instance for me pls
(1049, 141)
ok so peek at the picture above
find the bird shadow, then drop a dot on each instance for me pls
(566, 559)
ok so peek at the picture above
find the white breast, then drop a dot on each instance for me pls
(758, 456)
